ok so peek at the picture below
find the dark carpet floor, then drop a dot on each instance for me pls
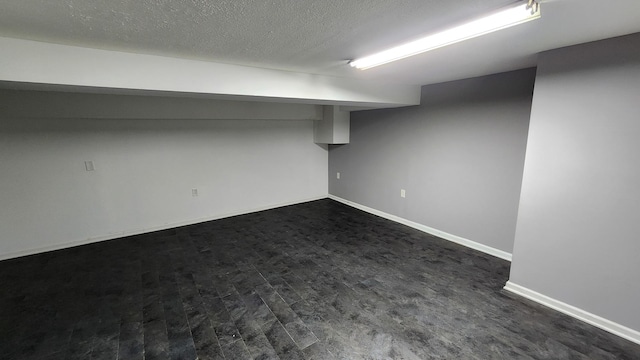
(317, 280)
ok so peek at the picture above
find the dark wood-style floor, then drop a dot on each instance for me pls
(312, 281)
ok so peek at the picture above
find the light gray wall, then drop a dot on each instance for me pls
(144, 172)
(459, 156)
(69, 105)
(577, 233)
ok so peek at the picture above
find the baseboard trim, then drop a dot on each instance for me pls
(441, 234)
(117, 235)
(589, 318)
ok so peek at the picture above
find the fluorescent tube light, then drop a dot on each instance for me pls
(502, 19)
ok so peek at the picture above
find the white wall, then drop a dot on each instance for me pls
(577, 232)
(33, 63)
(144, 172)
(459, 156)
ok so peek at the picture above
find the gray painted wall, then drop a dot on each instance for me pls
(69, 105)
(578, 224)
(144, 169)
(459, 156)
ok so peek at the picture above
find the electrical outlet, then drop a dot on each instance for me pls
(194, 192)
(403, 193)
(337, 175)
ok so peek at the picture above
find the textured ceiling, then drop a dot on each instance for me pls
(304, 35)
(310, 35)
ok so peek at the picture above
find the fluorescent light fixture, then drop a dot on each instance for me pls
(502, 19)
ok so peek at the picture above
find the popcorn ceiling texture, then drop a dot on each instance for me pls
(315, 36)
(299, 35)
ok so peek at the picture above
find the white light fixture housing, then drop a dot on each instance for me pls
(502, 19)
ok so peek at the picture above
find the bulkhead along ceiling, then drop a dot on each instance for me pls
(314, 36)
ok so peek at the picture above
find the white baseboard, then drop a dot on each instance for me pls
(147, 230)
(589, 318)
(441, 234)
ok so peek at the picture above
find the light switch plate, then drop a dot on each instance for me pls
(88, 165)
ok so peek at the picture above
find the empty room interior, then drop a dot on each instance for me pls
(204, 179)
